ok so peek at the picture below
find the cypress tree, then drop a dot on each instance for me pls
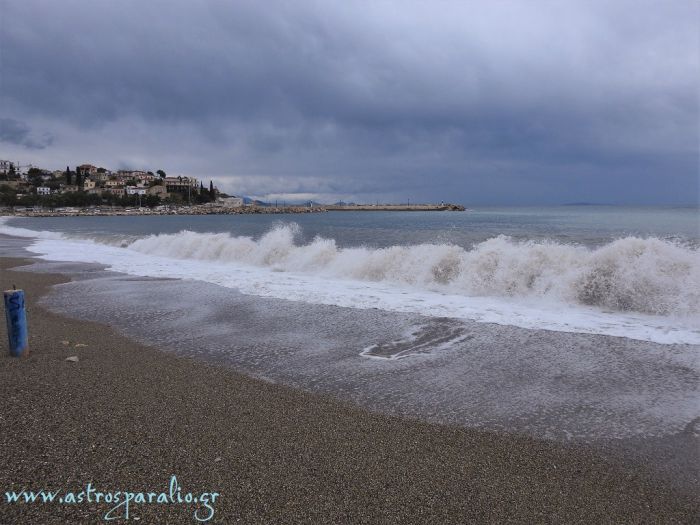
(68, 175)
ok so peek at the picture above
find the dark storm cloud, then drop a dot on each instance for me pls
(15, 132)
(483, 101)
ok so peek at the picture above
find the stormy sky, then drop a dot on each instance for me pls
(477, 102)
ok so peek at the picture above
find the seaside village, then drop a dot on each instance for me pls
(29, 188)
(91, 190)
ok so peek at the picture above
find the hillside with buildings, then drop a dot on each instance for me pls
(88, 185)
(29, 190)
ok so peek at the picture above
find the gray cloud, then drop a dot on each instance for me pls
(15, 132)
(506, 102)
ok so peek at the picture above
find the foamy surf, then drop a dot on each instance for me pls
(645, 289)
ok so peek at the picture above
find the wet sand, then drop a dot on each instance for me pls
(128, 416)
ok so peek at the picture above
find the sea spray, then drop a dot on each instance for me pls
(528, 284)
(647, 275)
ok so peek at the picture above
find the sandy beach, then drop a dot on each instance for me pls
(394, 262)
(128, 417)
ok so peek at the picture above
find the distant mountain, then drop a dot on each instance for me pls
(587, 204)
(257, 202)
(280, 202)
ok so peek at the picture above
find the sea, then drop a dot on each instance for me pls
(568, 323)
(628, 272)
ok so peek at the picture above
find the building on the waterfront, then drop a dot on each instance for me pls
(183, 185)
(230, 202)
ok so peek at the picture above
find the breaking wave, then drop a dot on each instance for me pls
(647, 275)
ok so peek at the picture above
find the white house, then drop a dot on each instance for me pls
(134, 190)
(43, 190)
(230, 202)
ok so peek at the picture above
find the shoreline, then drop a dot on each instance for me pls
(222, 210)
(129, 415)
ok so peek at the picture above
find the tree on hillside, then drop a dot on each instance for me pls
(35, 177)
(151, 201)
(8, 196)
(211, 189)
(161, 174)
(68, 176)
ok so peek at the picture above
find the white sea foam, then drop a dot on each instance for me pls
(6, 229)
(647, 289)
(631, 274)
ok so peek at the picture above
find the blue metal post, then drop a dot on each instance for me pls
(16, 318)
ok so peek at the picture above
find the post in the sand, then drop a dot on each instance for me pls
(16, 317)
